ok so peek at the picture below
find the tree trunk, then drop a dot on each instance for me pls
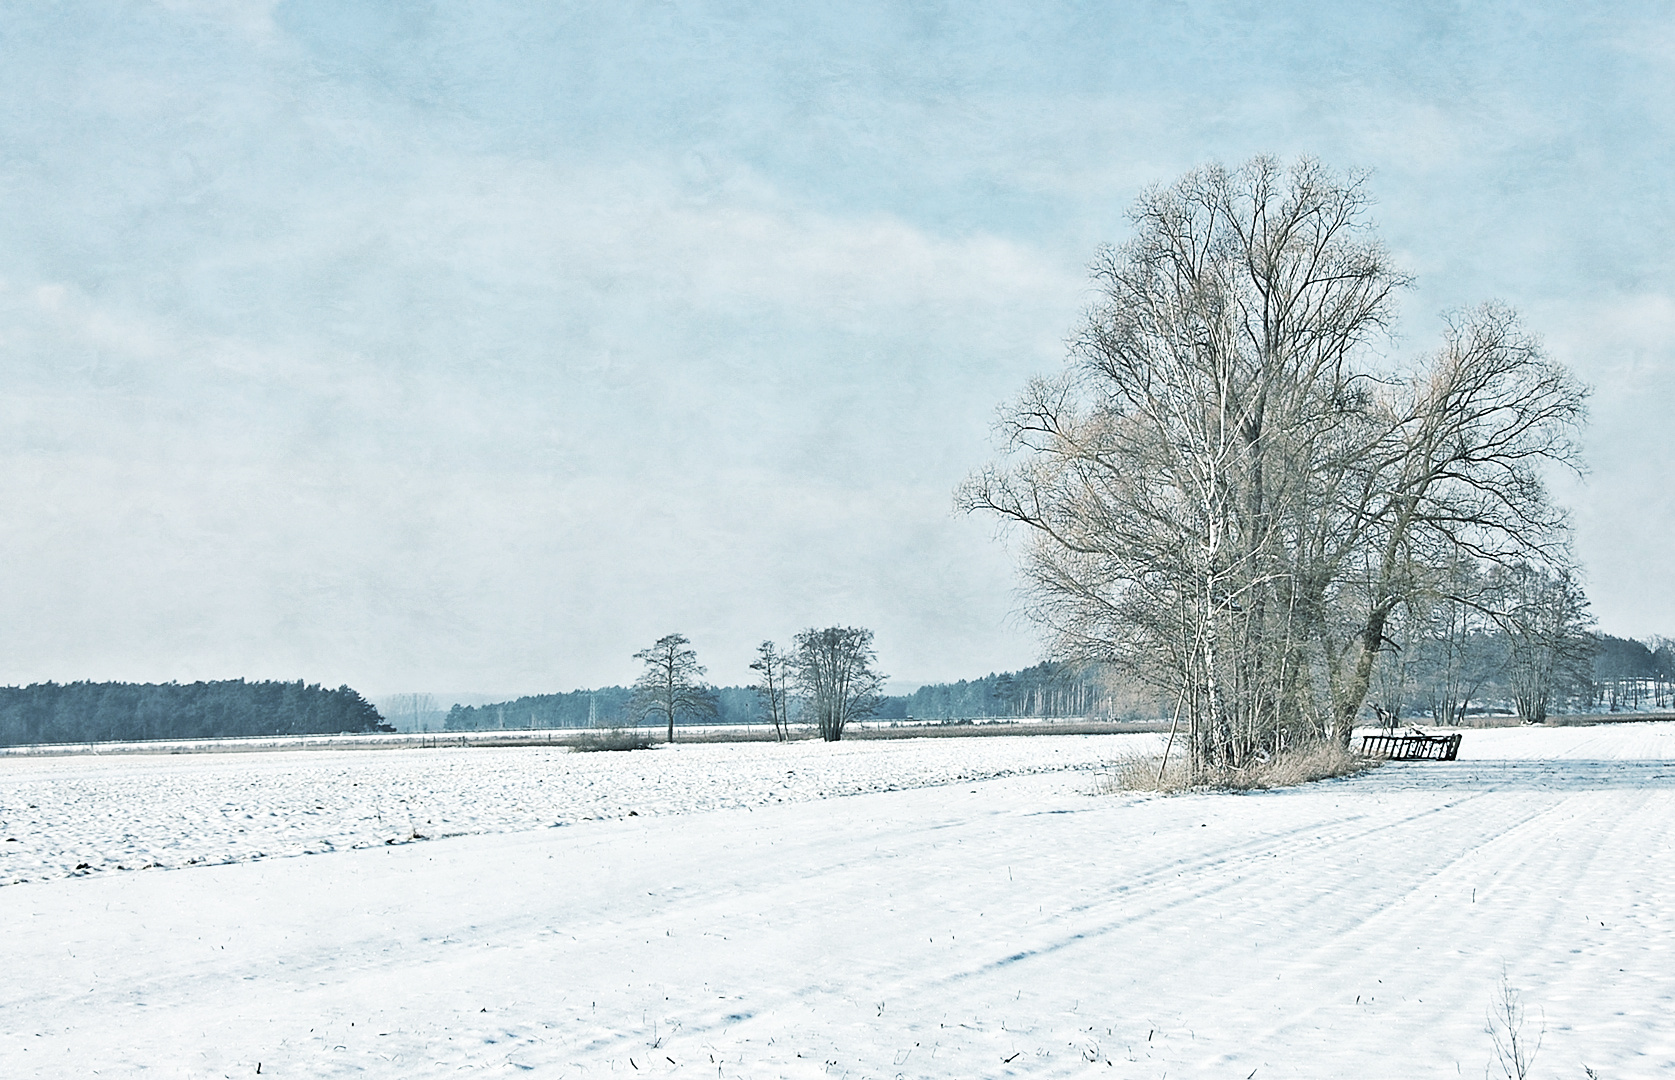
(1354, 693)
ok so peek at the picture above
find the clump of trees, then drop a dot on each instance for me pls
(414, 711)
(1513, 638)
(830, 675)
(835, 673)
(1632, 675)
(1231, 493)
(121, 712)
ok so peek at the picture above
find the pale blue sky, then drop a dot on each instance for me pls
(474, 346)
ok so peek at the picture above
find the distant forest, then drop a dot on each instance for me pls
(1631, 675)
(605, 707)
(1045, 690)
(104, 712)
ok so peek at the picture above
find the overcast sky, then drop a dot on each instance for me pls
(472, 347)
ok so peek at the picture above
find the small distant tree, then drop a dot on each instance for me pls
(418, 710)
(772, 669)
(671, 685)
(834, 673)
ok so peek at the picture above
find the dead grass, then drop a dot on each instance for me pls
(1322, 761)
(1132, 774)
(614, 739)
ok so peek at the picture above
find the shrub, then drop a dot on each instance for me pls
(615, 739)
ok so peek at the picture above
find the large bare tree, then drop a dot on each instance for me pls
(1228, 491)
(834, 673)
(671, 684)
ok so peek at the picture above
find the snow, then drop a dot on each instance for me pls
(169, 811)
(1605, 742)
(947, 907)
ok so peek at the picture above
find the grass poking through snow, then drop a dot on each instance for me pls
(615, 739)
(1321, 761)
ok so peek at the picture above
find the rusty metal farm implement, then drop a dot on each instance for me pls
(1412, 746)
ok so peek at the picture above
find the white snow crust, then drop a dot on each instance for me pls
(919, 908)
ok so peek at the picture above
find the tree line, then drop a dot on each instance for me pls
(1482, 672)
(1046, 690)
(1447, 681)
(1632, 675)
(608, 706)
(120, 712)
(783, 697)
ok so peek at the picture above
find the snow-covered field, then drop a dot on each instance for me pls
(87, 815)
(952, 907)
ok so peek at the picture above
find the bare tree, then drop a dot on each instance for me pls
(1458, 468)
(1514, 1050)
(773, 672)
(670, 685)
(1663, 670)
(1455, 645)
(1397, 676)
(1225, 492)
(418, 710)
(1550, 631)
(834, 674)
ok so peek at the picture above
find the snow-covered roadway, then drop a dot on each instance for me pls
(1013, 926)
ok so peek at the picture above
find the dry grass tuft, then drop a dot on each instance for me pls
(615, 739)
(1321, 761)
(1140, 774)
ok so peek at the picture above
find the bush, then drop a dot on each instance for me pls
(615, 739)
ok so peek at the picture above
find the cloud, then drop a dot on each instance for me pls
(252, 18)
(389, 338)
(515, 434)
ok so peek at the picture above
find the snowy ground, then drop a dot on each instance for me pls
(87, 815)
(925, 908)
